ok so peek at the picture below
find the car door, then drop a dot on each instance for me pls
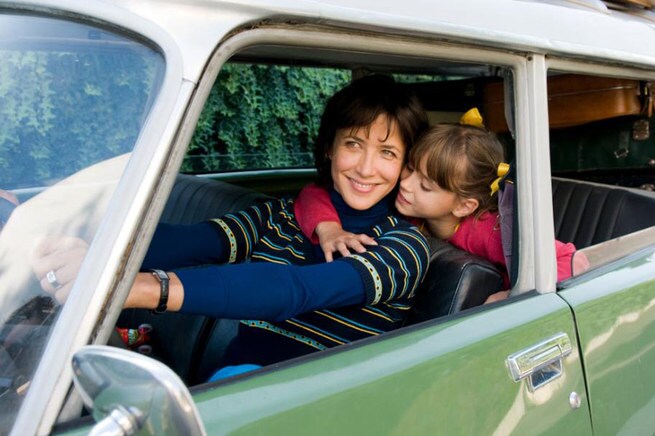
(444, 377)
(613, 300)
(615, 314)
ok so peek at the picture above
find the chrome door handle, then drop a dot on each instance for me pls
(541, 363)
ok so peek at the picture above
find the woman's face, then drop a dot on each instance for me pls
(366, 164)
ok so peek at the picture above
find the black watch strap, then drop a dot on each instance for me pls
(163, 285)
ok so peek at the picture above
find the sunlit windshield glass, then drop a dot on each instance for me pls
(73, 100)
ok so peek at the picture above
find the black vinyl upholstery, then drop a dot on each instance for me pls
(194, 199)
(456, 280)
(588, 213)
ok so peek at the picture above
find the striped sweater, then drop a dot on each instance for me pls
(388, 273)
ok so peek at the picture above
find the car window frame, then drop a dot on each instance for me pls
(602, 69)
(105, 270)
(339, 39)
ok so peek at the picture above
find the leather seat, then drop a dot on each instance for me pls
(456, 280)
(588, 213)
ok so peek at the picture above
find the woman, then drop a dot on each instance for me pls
(296, 303)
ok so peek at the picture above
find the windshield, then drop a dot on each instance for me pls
(73, 100)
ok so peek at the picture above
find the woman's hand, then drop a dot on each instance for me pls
(56, 262)
(333, 238)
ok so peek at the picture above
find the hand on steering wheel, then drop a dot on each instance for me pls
(56, 262)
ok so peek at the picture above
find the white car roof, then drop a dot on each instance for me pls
(571, 28)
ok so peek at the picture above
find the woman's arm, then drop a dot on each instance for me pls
(227, 239)
(274, 292)
(176, 246)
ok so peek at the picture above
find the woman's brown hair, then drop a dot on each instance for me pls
(358, 105)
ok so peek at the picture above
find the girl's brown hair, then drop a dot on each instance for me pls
(462, 159)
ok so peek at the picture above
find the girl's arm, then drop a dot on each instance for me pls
(312, 207)
(319, 221)
(565, 264)
(564, 253)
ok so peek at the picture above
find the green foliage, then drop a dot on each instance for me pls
(62, 111)
(261, 116)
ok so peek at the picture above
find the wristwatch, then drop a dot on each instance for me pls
(163, 284)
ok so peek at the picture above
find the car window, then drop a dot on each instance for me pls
(73, 99)
(601, 142)
(264, 116)
(254, 109)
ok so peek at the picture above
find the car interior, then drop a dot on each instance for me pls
(594, 198)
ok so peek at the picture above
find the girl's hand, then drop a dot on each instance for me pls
(498, 296)
(333, 238)
(56, 262)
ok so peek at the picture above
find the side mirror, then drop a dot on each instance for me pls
(129, 392)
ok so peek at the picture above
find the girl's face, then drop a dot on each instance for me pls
(366, 166)
(421, 197)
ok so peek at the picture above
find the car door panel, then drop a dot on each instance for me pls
(448, 377)
(615, 313)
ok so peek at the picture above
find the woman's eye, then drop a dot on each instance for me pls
(352, 144)
(389, 154)
(425, 188)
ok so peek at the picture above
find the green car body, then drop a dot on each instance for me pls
(575, 357)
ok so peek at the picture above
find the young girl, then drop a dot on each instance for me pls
(447, 186)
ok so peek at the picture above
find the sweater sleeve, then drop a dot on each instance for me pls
(240, 232)
(313, 206)
(395, 267)
(176, 246)
(274, 292)
(223, 240)
(269, 291)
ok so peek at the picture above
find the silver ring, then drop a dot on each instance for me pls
(52, 279)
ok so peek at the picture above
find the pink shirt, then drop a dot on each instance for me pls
(480, 236)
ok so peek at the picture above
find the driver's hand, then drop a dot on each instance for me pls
(56, 262)
(333, 238)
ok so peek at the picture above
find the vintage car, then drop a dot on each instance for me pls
(106, 107)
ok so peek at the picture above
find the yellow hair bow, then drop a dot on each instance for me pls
(502, 170)
(472, 117)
